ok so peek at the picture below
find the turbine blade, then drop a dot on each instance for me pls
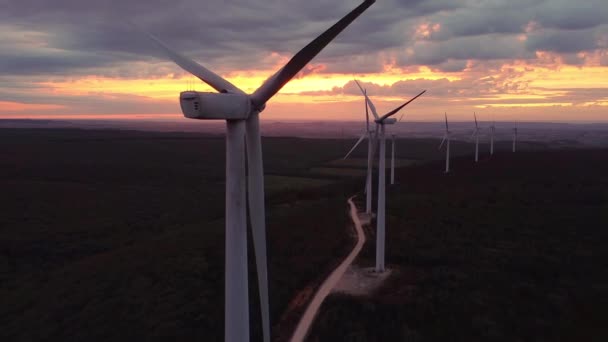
(357, 144)
(214, 80)
(369, 102)
(442, 141)
(366, 112)
(300, 59)
(475, 119)
(401, 117)
(257, 217)
(394, 111)
(375, 142)
(446, 122)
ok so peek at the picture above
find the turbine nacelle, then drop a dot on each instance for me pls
(215, 106)
(387, 121)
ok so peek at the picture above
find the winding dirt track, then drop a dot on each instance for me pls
(331, 281)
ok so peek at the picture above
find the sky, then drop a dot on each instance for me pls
(525, 60)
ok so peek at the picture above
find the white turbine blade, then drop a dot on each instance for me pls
(474, 134)
(300, 59)
(375, 142)
(442, 141)
(372, 106)
(401, 117)
(446, 122)
(369, 102)
(476, 127)
(214, 80)
(258, 229)
(366, 112)
(357, 144)
(394, 111)
(257, 217)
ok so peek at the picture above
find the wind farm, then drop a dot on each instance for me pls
(147, 197)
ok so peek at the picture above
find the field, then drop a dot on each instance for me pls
(511, 249)
(110, 235)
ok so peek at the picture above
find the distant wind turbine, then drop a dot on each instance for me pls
(446, 137)
(492, 131)
(381, 121)
(393, 152)
(393, 159)
(476, 135)
(241, 112)
(514, 136)
(369, 134)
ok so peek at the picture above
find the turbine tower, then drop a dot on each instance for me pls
(381, 121)
(392, 159)
(241, 112)
(446, 137)
(393, 152)
(370, 158)
(476, 135)
(514, 136)
(492, 130)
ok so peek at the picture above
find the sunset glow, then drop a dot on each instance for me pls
(463, 64)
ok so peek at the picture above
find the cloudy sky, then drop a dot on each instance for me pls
(504, 59)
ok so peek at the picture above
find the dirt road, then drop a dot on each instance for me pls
(331, 281)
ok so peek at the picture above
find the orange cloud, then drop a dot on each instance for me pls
(15, 107)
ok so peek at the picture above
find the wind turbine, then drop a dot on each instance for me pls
(241, 112)
(446, 136)
(392, 159)
(476, 135)
(514, 136)
(492, 130)
(370, 159)
(393, 154)
(381, 121)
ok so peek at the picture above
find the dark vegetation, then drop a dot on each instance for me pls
(114, 236)
(119, 235)
(511, 249)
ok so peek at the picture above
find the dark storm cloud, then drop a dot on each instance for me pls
(572, 15)
(479, 21)
(49, 63)
(512, 17)
(229, 34)
(94, 36)
(567, 40)
(487, 47)
(451, 66)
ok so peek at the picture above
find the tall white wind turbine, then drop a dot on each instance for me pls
(369, 134)
(392, 159)
(381, 121)
(393, 152)
(476, 135)
(514, 136)
(241, 112)
(446, 137)
(492, 131)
